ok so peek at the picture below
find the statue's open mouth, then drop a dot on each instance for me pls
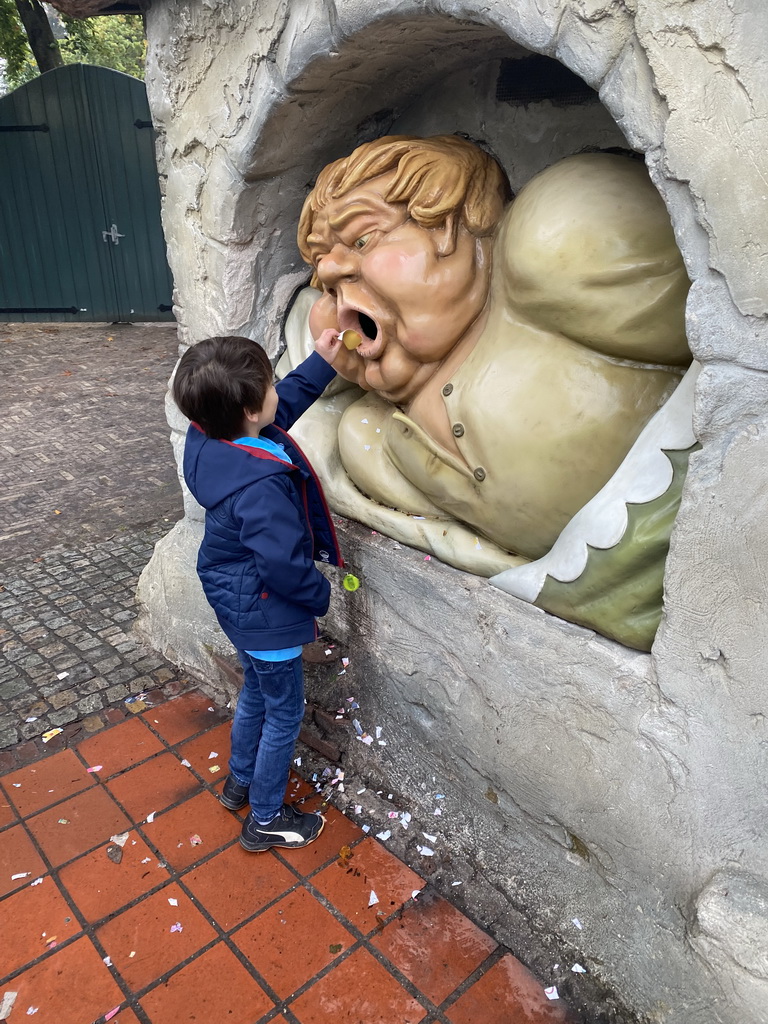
(351, 318)
(368, 326)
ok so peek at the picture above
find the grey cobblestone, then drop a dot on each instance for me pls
(67, 580)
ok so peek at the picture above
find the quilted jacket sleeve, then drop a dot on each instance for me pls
(273, 528)
(301, 388)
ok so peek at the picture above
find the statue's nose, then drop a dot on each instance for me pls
(338, 264)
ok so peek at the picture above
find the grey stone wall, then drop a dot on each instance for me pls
(631, 788)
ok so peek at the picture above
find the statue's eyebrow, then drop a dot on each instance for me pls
(341, 220)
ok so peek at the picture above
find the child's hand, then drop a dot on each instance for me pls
(328, 344)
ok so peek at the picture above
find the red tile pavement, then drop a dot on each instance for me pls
(182, 717)
(145, 941)
(234, 885)
(192, 830)
(359, 989)
(77, 825)
(198, 751)
(153, 786)
(269, 941)
(69, 987)
(206, 931)
(99, 885)
(506, 992)
(371, 869)
(18, 856)
(46, 782)
(7, 813)
(456, 946)
(119, 748)
(48, 921)
(196, 993)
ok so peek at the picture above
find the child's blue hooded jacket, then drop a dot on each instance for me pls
(266, 522)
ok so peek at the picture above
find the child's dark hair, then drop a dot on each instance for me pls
(218, 380)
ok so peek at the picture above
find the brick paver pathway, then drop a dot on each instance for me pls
(125, 896)
(87, 486)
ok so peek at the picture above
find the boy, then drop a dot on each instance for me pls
(266, 521)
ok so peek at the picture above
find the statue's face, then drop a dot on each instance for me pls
(411, 292)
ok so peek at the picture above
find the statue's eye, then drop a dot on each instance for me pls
(362, 241)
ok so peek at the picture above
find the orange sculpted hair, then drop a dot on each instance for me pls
(435, 177)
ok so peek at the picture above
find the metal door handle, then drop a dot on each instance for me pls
(113, 234)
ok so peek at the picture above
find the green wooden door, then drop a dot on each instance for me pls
(80, 231)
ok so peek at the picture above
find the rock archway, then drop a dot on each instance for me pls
(624, 783)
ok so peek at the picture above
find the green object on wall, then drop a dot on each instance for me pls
(621, 589)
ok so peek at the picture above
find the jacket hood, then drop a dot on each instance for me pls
(216, 469)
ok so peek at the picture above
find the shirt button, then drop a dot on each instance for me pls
(447, 389)
(458, 429)
(479, 473)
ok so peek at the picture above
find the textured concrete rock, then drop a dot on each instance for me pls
(595, 782)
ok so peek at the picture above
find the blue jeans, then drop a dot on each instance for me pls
(267, 722)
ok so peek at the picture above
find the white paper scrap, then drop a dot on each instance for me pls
(373, 899)
(32, 1009)
(429, 838)
(551, 992)
(578, 969)
(173, 902)
(37, 881)
(186, 763)
(383, 836)
(120, 839)
(107, 960)
(22, 874)
(151, 817)
(425, 851)
(575, 921)
(213, 755)
(62, 675)
(9, 998)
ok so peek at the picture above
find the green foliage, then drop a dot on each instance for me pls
(14, 50)
(116, 42)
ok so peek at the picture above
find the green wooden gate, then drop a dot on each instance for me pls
(80, 231)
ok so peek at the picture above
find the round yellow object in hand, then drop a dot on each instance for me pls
(351, 339)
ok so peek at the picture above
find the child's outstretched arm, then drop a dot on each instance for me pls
(304, 385)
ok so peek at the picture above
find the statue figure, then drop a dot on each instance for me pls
(512, 355)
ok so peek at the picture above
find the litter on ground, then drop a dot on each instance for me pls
(9, 998)
(551, 992)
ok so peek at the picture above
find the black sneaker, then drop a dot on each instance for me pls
(234, 795)
(288, 829)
